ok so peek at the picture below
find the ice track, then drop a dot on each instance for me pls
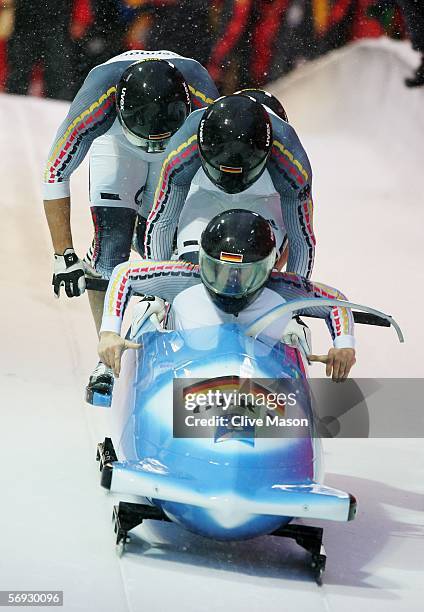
(363, 132)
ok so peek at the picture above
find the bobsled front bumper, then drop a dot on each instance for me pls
(310, 500)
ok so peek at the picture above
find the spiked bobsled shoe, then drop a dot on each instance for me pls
(100, 386)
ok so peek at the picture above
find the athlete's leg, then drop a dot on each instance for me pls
(116, 178)
(111, 246)
(145, 198)
(140, 232)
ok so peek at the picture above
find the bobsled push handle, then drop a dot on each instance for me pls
(264, 321)
(96, 284)
(367, 316)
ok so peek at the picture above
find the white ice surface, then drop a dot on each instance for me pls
(363, 132)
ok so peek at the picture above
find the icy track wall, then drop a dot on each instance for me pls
(363, 131)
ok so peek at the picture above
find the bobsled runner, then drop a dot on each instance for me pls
(232, 484)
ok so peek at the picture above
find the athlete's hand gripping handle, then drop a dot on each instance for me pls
(68, 273)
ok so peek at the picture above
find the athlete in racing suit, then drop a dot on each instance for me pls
(191, 190)
(231, 286)
(123, 173)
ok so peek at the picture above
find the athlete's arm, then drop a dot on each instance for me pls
(164, 279)
(341, 357)
(291, 173)
(339, 319)
(58, 214)
(68, 269)
(90, 115)
(181, 164)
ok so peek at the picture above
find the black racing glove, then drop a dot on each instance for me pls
(68, 273)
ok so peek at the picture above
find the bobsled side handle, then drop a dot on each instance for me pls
(363, 318)
(264, 321)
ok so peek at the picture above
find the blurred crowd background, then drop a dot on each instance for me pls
(48, 46)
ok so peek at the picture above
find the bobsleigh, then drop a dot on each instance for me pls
(228, 485)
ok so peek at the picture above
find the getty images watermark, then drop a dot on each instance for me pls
(230, 400)
(228, 406)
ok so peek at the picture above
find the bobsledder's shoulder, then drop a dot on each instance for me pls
(187, 134)
(288, 155)
(191, 125)
(108, 73)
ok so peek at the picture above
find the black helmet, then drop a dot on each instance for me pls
(236, 256)
(235, 138)
(264, 97)
(152, 102)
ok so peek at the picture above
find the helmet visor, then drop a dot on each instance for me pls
(232, 279)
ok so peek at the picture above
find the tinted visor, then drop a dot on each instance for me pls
(155, 118)
(150, 126)
(234, 279)
(233, 179)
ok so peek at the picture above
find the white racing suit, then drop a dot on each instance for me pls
(286, 183)
(205, 201)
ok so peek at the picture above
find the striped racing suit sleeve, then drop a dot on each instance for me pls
(291, 173)
(339, 320)
(181, 164)
(164, 279)
(90, 115)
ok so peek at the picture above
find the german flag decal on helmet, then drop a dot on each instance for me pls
(233, 257)
(231, 170)
(160, 136)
